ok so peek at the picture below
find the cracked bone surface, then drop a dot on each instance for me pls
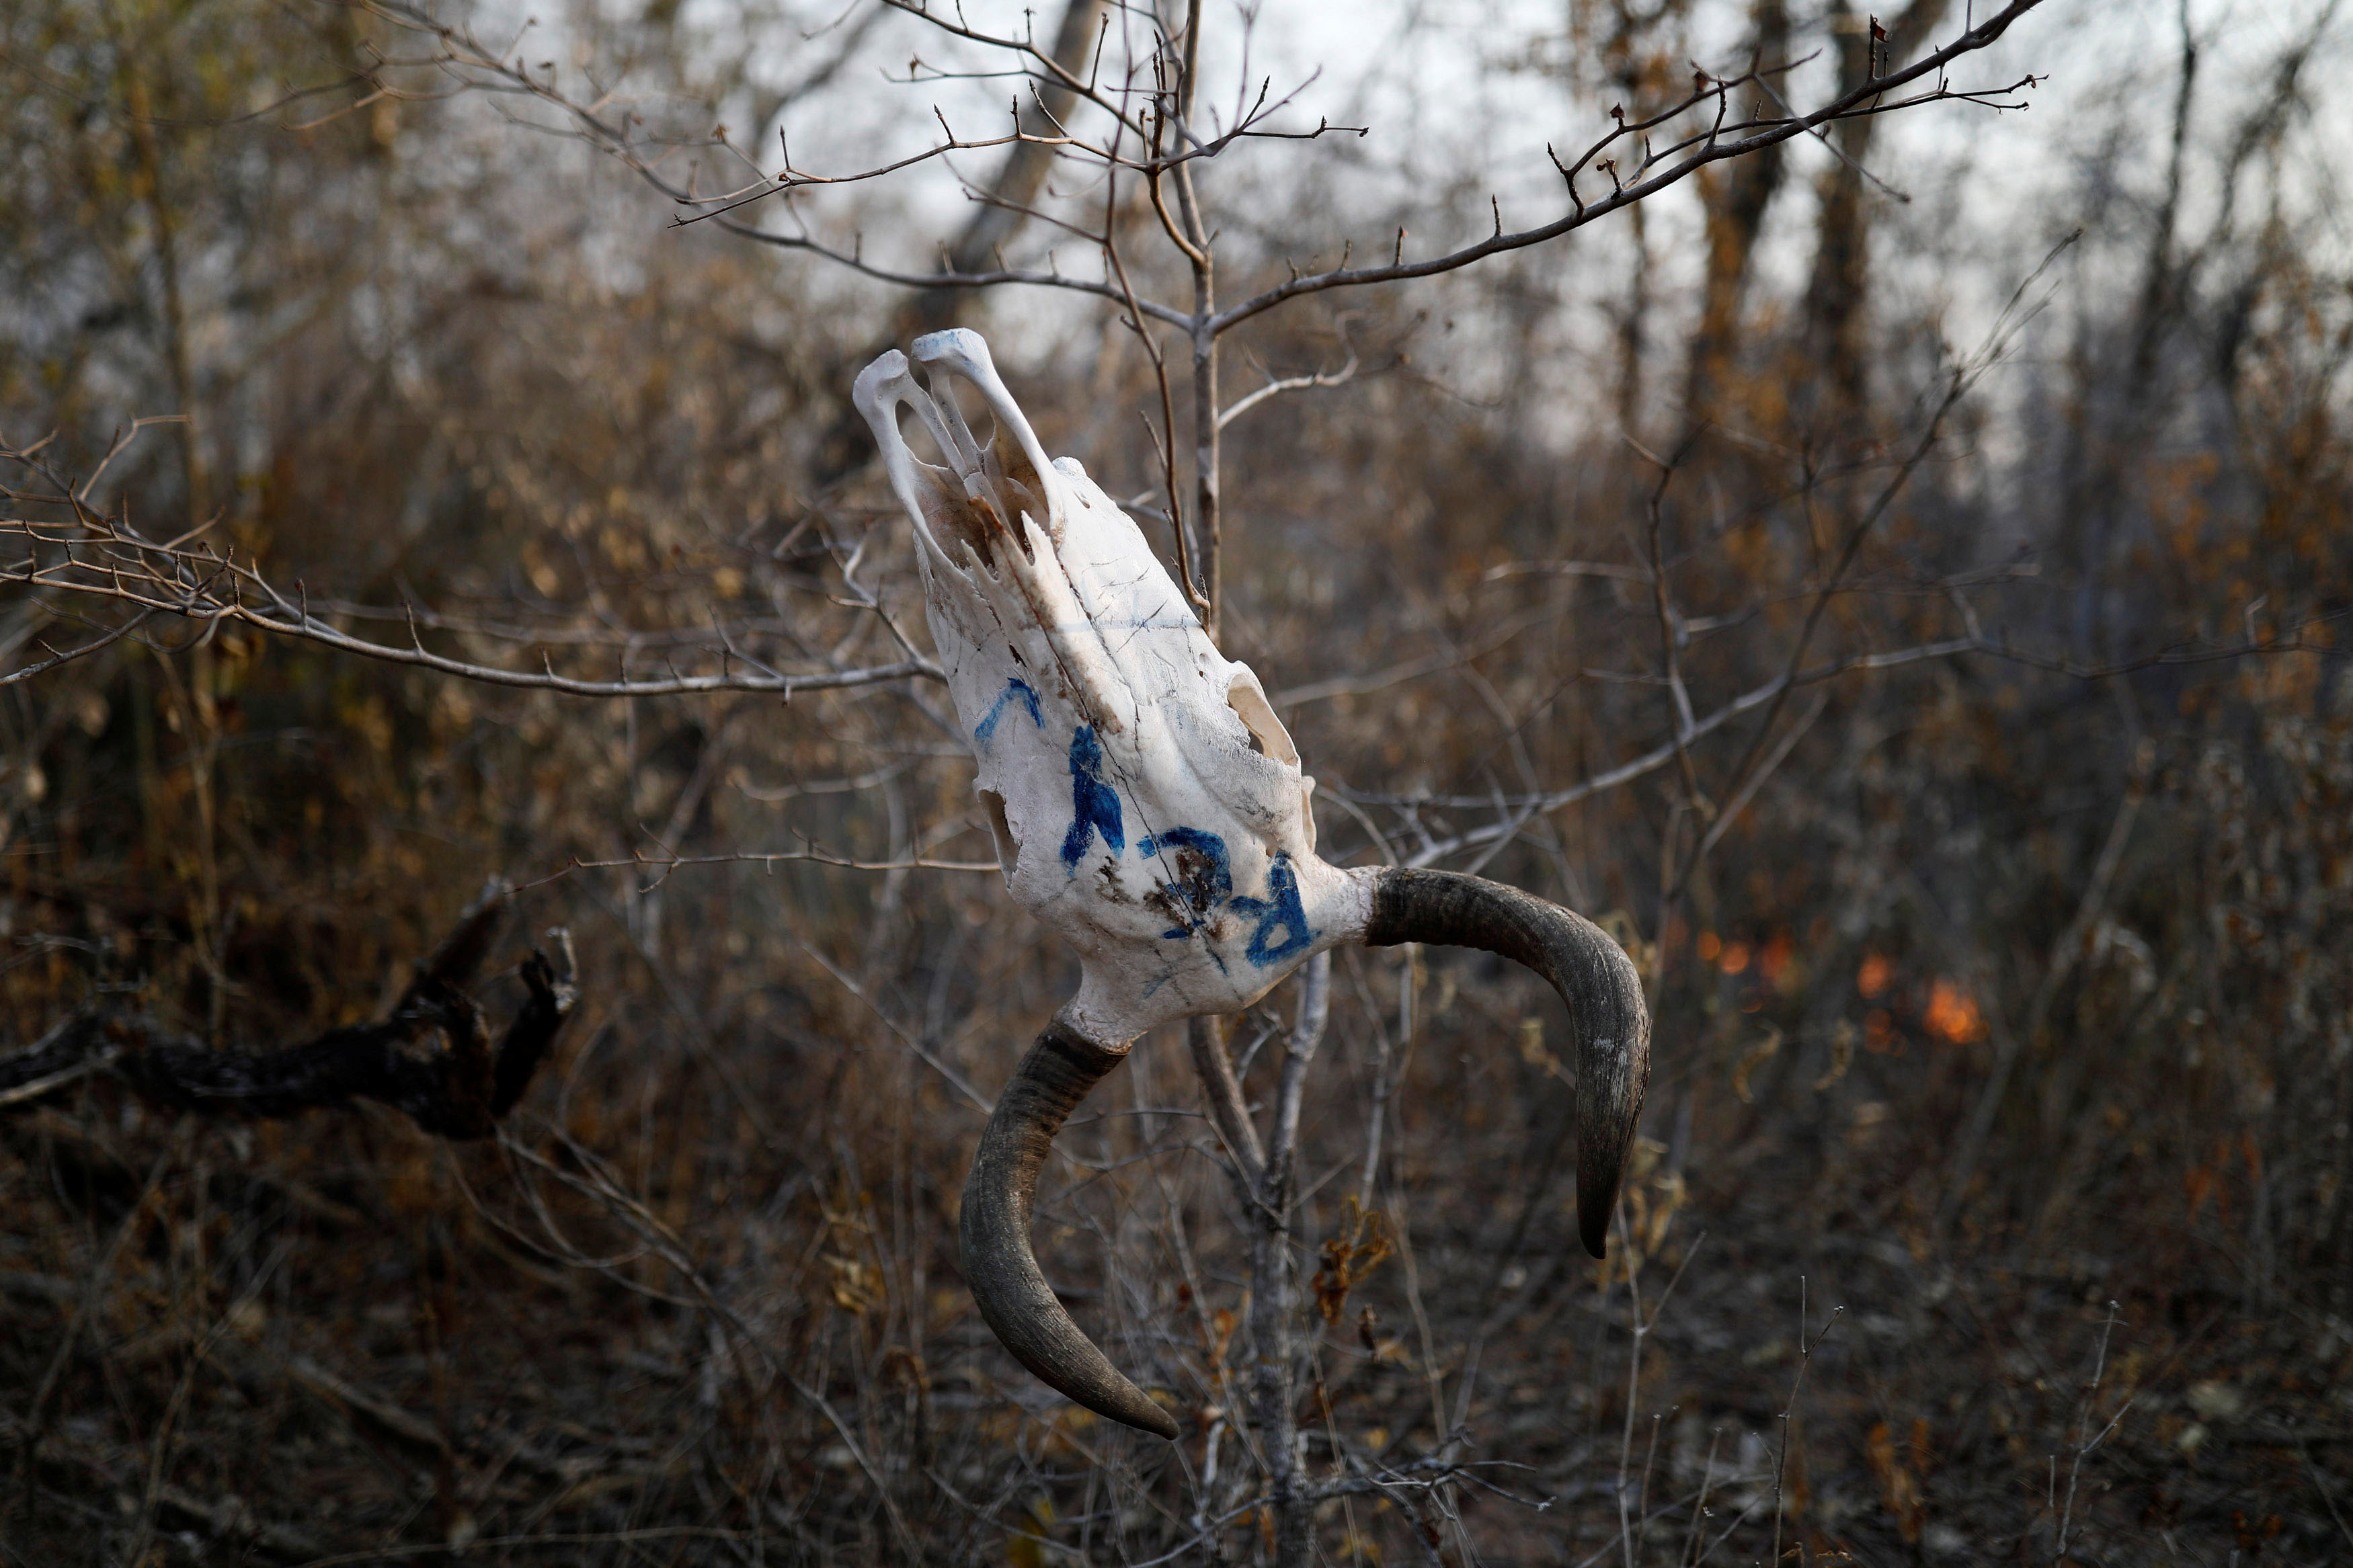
(1149, 807)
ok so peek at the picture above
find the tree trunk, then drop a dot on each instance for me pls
(999, 217)
(848, 445)
(1264, 1181)
(1837, 320)
(1736, 199)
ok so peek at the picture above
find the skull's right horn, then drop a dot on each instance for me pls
(1596, 981)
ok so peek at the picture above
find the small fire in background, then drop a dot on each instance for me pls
(1874, 976)
(1952, 1015)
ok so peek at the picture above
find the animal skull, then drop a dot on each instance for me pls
(1148, 807)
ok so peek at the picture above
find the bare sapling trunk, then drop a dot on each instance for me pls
(1265, 1179)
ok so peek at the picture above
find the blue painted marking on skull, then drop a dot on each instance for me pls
(1279, 913)
(1204, 883)
(1015, 687)
(1205, 876)
(1094, 805)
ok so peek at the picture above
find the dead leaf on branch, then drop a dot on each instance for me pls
(1350, 1253)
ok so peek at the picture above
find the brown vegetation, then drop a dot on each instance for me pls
(1990, 861)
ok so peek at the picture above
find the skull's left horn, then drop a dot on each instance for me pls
(994, 1231)
(1596, 981)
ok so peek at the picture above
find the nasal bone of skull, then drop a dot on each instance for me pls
(1002, 510)
(988, 474)
(962, 499)
(1010, 477)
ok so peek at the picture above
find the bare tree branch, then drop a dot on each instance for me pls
(460, 1090)
(1868, 98)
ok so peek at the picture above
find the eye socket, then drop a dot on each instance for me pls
(1268, 737)
(1009, 848)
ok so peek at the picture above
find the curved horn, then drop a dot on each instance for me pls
(994, 1231)
(1595, 979)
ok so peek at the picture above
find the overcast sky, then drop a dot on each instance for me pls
(1460, 97)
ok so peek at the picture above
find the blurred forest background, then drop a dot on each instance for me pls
(1920, 640)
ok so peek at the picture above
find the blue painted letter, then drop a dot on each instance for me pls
(1015, 687)
(1279, 915)
(1095, 805)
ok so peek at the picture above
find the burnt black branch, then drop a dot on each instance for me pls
(431, 1058)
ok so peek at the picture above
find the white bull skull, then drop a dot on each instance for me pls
(1148, 807)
